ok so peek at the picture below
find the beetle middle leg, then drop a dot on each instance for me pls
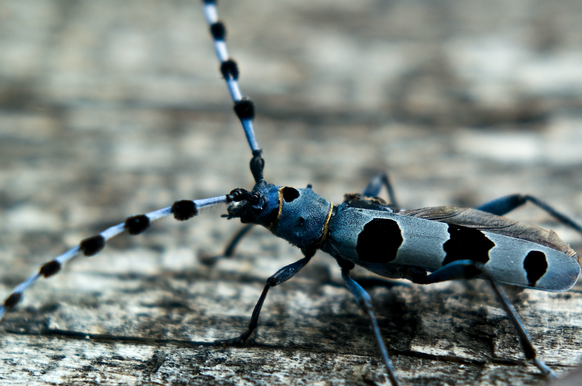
(365, 303)
(375, 185)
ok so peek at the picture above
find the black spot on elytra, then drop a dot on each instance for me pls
(467, 244)
(290, 194)
(379, 241)
(536, 265)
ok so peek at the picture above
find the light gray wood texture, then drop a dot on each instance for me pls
(116, 108)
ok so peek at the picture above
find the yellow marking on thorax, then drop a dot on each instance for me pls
(280, 207)
(325, 229)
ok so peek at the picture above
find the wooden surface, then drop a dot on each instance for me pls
(116, 108)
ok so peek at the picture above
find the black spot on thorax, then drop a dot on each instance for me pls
(290, 194)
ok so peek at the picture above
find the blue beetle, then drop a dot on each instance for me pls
(425, 246)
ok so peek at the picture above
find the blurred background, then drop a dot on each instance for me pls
(109, 109)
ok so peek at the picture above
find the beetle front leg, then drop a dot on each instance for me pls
(279, 277)
(230, 247)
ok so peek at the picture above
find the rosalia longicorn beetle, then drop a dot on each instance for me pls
(80, 117)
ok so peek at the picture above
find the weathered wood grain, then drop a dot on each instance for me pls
(111, 109)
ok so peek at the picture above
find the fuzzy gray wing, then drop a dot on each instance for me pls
(473, 218)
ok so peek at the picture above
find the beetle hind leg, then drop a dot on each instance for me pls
(468, 269)
(506, 204)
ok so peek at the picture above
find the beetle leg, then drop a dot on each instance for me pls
(279, 277)
(468, 269)
(365, 303)
(375, 185)
(506, 204)
(456, 270)
(524, 338)
(230, 247)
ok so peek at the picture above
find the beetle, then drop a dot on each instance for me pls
(269, 159)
